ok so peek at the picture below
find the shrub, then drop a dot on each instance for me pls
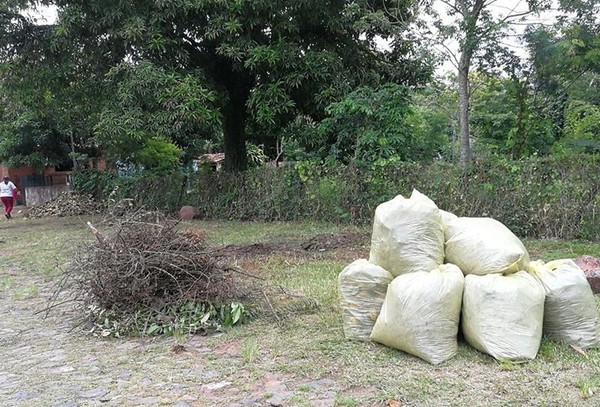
(534, 197)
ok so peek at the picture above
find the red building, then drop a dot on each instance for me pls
(28, 177)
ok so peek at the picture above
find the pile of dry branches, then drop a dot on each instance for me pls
(144, 261)
(66, 204)
(143, 264)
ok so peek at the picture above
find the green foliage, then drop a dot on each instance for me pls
(256, 155)
(51, 93)
(145, 189)
(566, 64)
(537, 197)
(166, 68)
(505, 118)
(95, 183)
(30, 140)
(582, 128)
(372, 125)
(158, 156)
(478, 30)
(150, 101)
(185, 319)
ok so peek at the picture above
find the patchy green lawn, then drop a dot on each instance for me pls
(301, 362)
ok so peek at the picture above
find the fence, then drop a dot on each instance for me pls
(37, 189)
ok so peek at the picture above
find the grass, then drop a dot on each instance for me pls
(250, 350)
(38, 246)
(27, 292)
(312, 347)
(551, 249)
(5, 283)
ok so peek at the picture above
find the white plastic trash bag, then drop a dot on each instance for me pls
(484, 246)
(362, 287)
(502, 315)
(421, 312)
(447, 217)
(570, 312)
(408, 235)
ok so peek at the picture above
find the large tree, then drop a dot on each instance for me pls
(52, 93)
(565, 61)
(265, 60)
(478, 26)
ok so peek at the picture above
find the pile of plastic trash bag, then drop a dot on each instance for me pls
(430, 273)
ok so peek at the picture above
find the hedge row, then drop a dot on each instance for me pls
(538, 197)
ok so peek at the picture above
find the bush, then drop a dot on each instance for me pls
(155, 192)
(95, 183)
(535, 197)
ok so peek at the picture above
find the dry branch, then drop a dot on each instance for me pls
(142, 261)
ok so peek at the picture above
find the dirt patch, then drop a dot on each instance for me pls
(326, 242)
(230, 349)
(249, 250)
(319, 243)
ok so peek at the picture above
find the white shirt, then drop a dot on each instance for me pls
(6, 189)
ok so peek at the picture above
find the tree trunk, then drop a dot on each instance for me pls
(519, 136)
(73, 157)
(234, 132)
(463, 95)
(234, 112)
(470, 44)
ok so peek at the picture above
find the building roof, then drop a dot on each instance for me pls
(212, 158)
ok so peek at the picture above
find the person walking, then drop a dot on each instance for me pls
(8, 190)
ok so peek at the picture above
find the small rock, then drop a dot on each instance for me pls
(124, 374)
(62, 369)
(593, 277)
(22, 395)
(69, 404)
(327, 401)
(207, 375)
(148, 401)
(251, 402)
(93, 393)
(274, 384)
(279, 399)
(588, 263)
(182, 404)
(215, 386)
(105, 398)
(188, 212)
(318, 384)
(58, 356)
(591, 267)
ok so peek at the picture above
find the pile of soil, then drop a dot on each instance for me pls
(319, 243)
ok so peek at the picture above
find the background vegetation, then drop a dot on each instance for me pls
(537, 197)
(348, 95)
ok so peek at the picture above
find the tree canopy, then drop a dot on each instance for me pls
(253, 66)
(338, 81)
